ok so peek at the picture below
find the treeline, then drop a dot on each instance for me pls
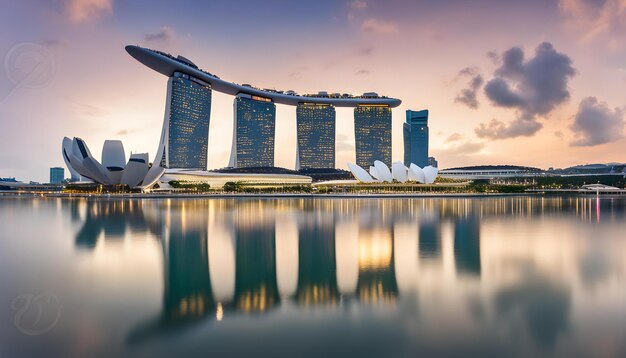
(189, 186)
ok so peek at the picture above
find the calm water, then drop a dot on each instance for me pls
(517, 276)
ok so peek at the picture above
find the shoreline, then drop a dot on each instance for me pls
(286, 195)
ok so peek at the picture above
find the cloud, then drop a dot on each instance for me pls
(87, 10)
(499, 130)
(366, 51)
(355, 9)
(379, 26)
(344, 147)
(50, 42)
(493, 57)
(595, 123)
(363, 72)
(532, 87)
(87, 110)
(463, 148)
(468, 96)
(166, 33)
(124, 132)
(454, 137)
(559, 134)
(603, 19)
(358, 4)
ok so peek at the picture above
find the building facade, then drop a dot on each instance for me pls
(253, 134)
(57, 175)
(416, 138)
(316, 136)
(372, 133)
(184, 139)
(188, 115)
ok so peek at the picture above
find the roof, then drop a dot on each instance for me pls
(167, 64)
(495, 167)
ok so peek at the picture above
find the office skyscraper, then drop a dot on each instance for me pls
(57, 175)
(372, 132)
(416, 138)
(316, 136)
(254, 130)
(188, 115)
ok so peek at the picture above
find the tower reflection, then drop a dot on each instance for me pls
(467, 245)
(317, 265)
(256, 288)
(471, 262)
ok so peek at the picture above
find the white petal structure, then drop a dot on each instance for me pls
(136, 170)
(79, 160)
(430, 173)
(360, 174)
(67, 151)
(154, 174)
(114, 159)
(97, 172)
(113, 155)
(399, 171)
(383, 171)
(374, 173)
(416, 173)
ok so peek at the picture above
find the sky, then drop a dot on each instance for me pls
(538, 83)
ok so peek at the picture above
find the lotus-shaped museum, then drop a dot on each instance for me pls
(136, 173)
(380, 172)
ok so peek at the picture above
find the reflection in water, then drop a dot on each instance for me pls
(113, 218)
(543, 305)
(231, 258)
(377, 280)
(317, 279)
(256, 289)
(467, 245)
(430, 239)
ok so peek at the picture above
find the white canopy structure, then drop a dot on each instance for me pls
(384, 174)
(360, 174)
(380, 173)
(399, 172)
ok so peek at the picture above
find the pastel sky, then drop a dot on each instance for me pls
(535, 82)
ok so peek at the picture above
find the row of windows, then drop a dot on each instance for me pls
(316, 136)
(255, 123)
(190, 113)
(372, 132)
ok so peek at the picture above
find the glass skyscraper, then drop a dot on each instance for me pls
(254, 129)
(57, 175)
(372, 133)
(416, 138)
(316, 136)
(189, 116)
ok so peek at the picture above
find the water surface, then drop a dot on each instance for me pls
(502, 276)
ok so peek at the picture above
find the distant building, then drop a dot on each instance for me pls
(254, 129)
(57, 175)
(416, 138)
(372, 134)
(433, 162)
(316, 136)
(187, 119)
(490, 172)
